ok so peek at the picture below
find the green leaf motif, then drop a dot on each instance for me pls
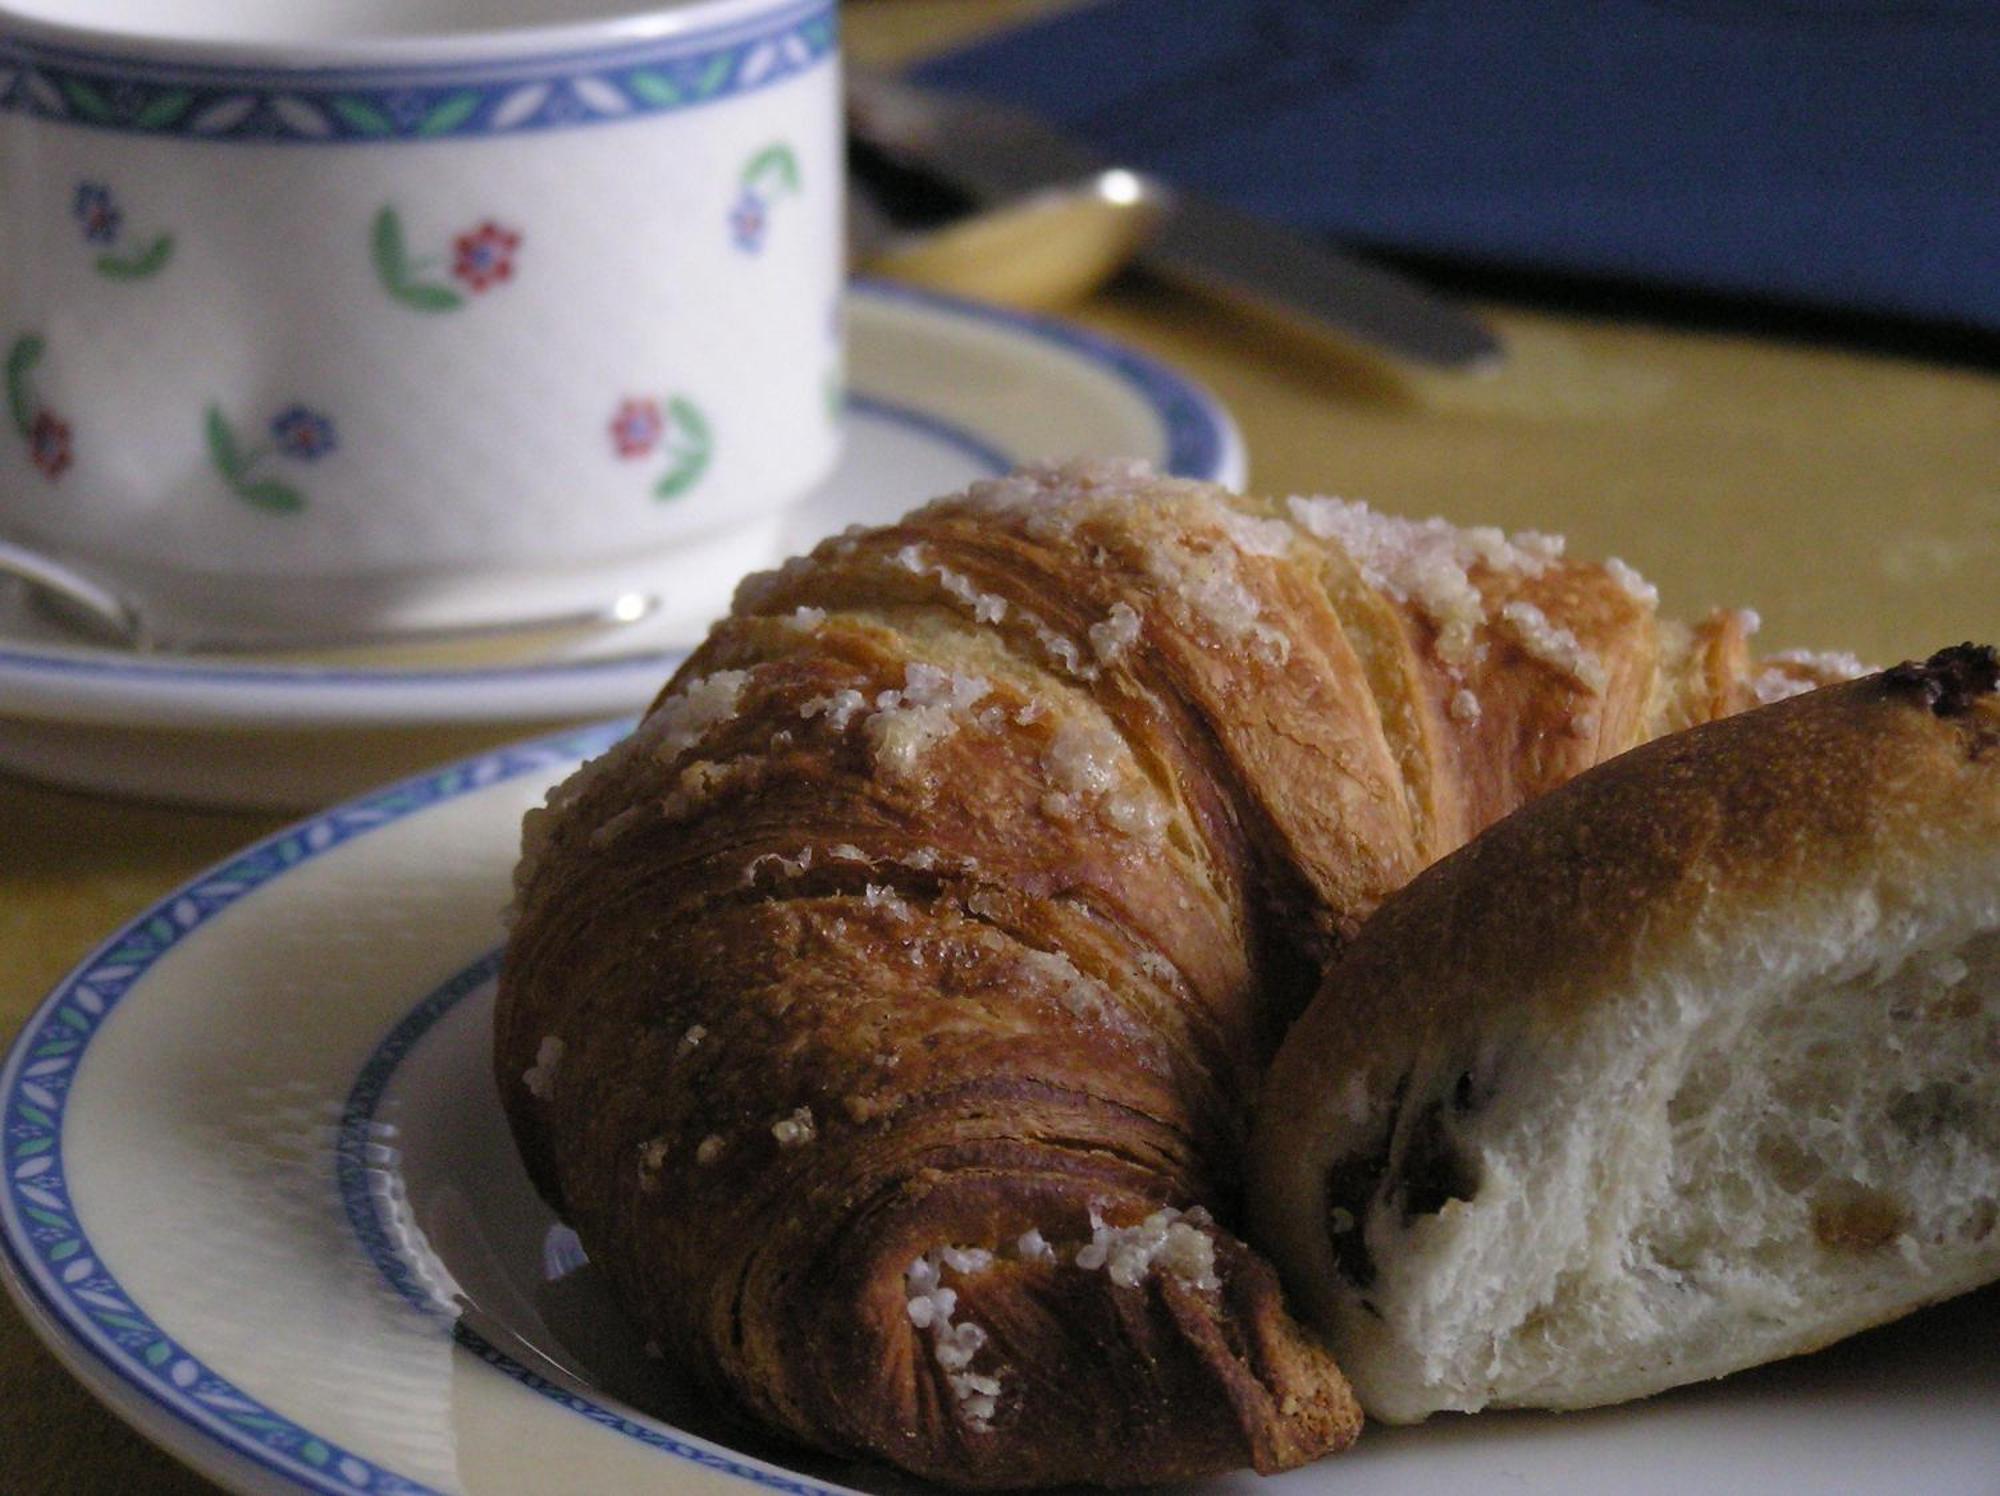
(775, 169)
(690, 446)
(682, 476)
(222, 449)
(363, 116)
(684, 414)
(270, 494)
(393, 268)
(449, 115)
(655, 88)
(392, 259)
(21, 361)
(150, 261)
(34, 1114)
(65, 1249)
(428, 298)
(158, 1352)
(234, 465)
(33, 1146)
(164, 110)
(47, 1218)
(87, 101)
(315, 1452)
(714, 76)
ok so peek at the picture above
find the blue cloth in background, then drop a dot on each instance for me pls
(1832, 153)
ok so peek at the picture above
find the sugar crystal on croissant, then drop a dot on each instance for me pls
(1003, 843)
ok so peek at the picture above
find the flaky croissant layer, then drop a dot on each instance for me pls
(884, 1013)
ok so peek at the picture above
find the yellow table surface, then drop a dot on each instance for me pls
(1853, 498)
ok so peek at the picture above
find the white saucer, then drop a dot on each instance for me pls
(943, 392)
(259, 1196)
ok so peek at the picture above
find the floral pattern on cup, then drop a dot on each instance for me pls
(298, 434)
(771, 174)
(484, 257)
(642, 427)
(47, 436)
(481, 258)
(102, 221)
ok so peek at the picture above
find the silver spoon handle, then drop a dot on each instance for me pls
(79, 599)
(103, 615)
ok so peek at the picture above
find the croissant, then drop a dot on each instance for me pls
(885, 1012)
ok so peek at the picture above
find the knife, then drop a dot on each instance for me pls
(994, 154)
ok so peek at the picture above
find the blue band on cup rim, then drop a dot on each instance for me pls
(266, 103)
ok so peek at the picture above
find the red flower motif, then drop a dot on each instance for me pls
(484, 257)
(637, 428)
(49, 444)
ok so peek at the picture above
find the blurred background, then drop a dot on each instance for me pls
(1739, 256)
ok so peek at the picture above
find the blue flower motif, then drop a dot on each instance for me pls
(302, 434)
(97, 211)
(748, 221)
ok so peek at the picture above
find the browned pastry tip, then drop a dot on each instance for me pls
(885, 1012)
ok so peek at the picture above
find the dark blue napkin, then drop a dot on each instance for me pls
(1822, 153)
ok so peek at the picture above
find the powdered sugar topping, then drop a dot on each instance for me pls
(839, 709)
(1083, 995)
(1634, 586)
(1208, 585)
(1117, 633)
(1554, 645)
(933, 1306)
(1422, 562)
(1173, 1241)
(1808, 670)
(795, 1131)
(540, 1078)
(906, 723)
(986, 607)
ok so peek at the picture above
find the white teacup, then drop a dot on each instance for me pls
(320, 316)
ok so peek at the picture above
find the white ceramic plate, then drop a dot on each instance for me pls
(259, 1196)
(943, 392)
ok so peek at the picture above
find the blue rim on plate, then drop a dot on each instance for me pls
(45, 1255)
(381, 101)
(49, 1261)
(354, 1172)
(1198, 435)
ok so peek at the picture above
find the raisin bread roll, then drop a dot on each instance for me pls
(885, 1013)
(1689, 1065)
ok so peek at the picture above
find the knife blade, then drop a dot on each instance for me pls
(993, 153)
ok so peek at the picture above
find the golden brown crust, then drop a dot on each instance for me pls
(959, 888)
(1681, 845)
